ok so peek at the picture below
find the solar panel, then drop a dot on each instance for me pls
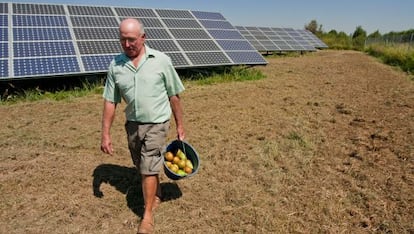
(311, 38)
(276, 39)
(53, 39)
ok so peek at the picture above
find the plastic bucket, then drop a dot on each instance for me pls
(191, 154)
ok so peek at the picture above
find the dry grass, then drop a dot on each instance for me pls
(324, 144)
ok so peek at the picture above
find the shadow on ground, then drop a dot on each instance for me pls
(128, 181)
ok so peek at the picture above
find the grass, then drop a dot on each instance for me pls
(399, 55)
(37, 94)
(221, 75)
(225, 74)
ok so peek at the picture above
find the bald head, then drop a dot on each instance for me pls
(132, 25)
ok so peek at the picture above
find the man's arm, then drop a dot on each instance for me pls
(107, 119)
(178, 116)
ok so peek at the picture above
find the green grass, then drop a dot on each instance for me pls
(202, 77)
(228, 74)
(399, 55)
(36, 94)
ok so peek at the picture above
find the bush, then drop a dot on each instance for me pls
(396, 55)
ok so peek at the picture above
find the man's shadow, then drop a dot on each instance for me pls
(127, 180)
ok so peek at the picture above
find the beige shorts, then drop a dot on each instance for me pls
(146, 142)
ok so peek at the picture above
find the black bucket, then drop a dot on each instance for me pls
(191, 154)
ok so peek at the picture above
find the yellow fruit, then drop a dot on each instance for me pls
(188, 170)
(174, 168)
(181, 155)
(189, 164)
(181, 173)
(176, 160)
(168, 164)
(169, 156)
(181, 164)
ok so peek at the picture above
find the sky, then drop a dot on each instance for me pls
(340, 15)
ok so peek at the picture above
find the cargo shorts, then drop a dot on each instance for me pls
(146, 143)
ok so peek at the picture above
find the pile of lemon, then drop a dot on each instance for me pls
(178, 163)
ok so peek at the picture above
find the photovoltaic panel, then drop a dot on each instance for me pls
(157, 33)
(99, 47)
(39, 34)
(4, 8)
(178, 59)
(136, 12)
(4, 22)
(39, 21)
(275, 39)
(50, 65)
(311, 38)
(96, 33)
(37, 49)
(50, 40)
(42, 9)
(208, 15)
(88, 21)
(234, 45)
(4, 50)
(163, 45)
(189, 34)
(90, 10)
(4, 34)
(163, 13)
(4, 68)
(96, 63)
(216, 24)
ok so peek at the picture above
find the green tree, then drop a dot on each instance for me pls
(358, 38)
(375, 34)
(312, 27)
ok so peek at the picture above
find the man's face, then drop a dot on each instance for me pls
(132, 42)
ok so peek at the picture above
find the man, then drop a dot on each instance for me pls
(147, 81)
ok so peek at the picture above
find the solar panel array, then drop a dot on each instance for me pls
(49, 40)
(280, 39)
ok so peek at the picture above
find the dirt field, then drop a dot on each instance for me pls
(324, 144)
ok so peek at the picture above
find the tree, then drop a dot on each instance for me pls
(312, 27)
(358, 38)
(375, 34)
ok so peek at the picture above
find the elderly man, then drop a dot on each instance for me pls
(147, 81)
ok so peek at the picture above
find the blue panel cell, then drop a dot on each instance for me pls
(216, 24)
(4, 7)
(178, 59)
(225, 34)
(173, 13)
(4, 34)
(38, 49)
(4, 68)
(235, 45)
(38, 20)
(246, 58)
(97, 63)
(208, 15)
(4, 21)
(45, 66)
(208, 58)
(41, 34)
(4, 50)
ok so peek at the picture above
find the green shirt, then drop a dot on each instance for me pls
(145, 89)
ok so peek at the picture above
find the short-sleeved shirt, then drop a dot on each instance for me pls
(145, 89)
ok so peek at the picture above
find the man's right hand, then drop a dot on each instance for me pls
(106, 145)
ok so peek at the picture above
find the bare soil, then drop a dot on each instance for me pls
(323, 144)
